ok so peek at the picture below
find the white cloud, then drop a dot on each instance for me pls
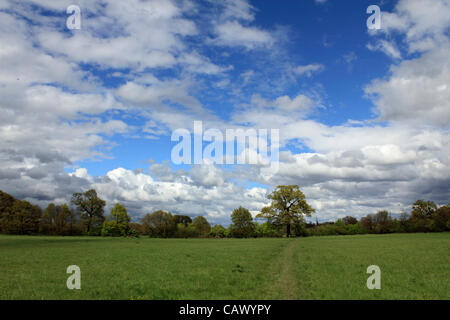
(238, 9)
(389, 48)
(232, 33)
(196, 63)
(182, 196)
(423, 22)
(309, 69)
(417, 91)
(300, 102)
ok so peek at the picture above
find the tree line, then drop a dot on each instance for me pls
(284, 216)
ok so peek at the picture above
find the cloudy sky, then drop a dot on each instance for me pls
(363, 114)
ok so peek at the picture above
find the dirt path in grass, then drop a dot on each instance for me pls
(284, 286)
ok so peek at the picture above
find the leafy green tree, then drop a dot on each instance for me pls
(441, 217)
(299, 229)
(349, 220)
(242, 226)
(182, 219)
(288, 206)
(73, 225)
(422, 216)
(90, 207)
(184, 231)
(383, 222)
(119, 214)
(218, 231)
(137, 227)
(201, 226)
(266, 229)
(6, 203)
(354, 228)
(404, 222)
(158, 224)
(368, 223)
(118, 223)
(64, 217)
(423, 209)
(48, 220)
(57, 219)
(21, 218)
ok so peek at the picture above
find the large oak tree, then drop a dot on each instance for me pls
(288, 206)
(90, 207)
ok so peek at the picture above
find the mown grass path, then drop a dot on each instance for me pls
(284, 286)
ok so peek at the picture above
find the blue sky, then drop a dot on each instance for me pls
(362, 114)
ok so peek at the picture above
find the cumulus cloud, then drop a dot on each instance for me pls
(424, 23)
(418, 90)
(199, 192)
(127, 44)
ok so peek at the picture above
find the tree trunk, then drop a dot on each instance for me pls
(89, 224)
(288, 230)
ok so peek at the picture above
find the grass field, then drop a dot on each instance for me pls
(413, 266)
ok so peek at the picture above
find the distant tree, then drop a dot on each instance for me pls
(158, 224)
(242, 226)
(349, 220)
(339, 227)
(298, 229)
(58, 219)
(181, 219)
(383, 222)
(117, 225)
(6, 203)
(354, 228)
(137, 227)
(185, 231)
(422, 216)
(73, 226)
(288, 206)
(21, 218)
(90, 207)
(368, 223)
(441, 217)
(119, 214)
(48, 220)
(271, 230)
(218, 231)
(423, 209)
(63, 216)
(201, 226)
(404, 222)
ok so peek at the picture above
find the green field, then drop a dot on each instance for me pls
(413, 266)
